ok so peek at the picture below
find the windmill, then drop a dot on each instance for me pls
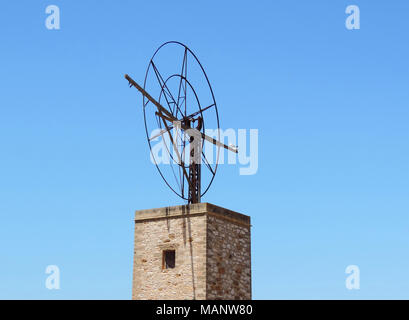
(183, 107)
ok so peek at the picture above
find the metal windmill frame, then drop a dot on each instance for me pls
(173, 113)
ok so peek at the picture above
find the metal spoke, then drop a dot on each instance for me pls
(177, 152)
(163, 85)
(200, 111)
(184, 68)
(207, 163)
(160, 133)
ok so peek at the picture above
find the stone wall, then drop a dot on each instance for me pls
(228, 260)
(212, 251)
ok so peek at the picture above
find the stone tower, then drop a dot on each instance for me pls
(197, 251)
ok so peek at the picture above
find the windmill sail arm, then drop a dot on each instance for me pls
(204, 136)
(219, 144)
(149, 97)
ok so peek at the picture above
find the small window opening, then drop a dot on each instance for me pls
(168, 259)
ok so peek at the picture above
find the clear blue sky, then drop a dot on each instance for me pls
(331, 106)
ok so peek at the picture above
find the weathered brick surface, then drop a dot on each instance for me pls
(212, 248)
(228, 260)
